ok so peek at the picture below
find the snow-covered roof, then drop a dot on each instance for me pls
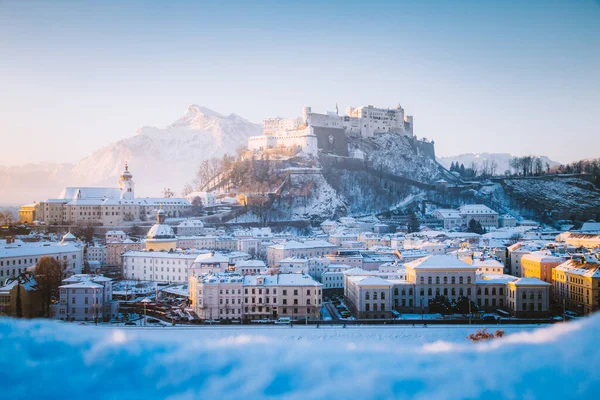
(115, 233)
(82, 285)
(26, 280)
(590, 226)
(448, 213)
(309, 244)
(250, 264)
(369, 280)
(529, 282)
(34, 249)
(439, 262)
(487, 262)
(576, 267)
(191, 223)
(281, 280)
(494, 279)
(543, 256)
(212, 258)
(87, 193)
(86, 277)
(480, 209)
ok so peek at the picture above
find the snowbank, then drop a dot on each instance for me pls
(52, 360)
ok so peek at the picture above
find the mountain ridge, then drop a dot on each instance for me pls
(158, 158)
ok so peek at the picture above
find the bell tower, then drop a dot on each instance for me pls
(126, 184)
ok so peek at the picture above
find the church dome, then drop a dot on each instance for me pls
(160, 231)
(126, 174)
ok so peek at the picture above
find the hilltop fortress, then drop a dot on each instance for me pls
(329, 132)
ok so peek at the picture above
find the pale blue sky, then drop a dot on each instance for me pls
(497, 76)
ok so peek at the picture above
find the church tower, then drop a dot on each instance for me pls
(126, 184)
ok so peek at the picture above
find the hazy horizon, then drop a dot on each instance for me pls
(499, 77)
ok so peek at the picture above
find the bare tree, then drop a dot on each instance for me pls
(485, 168)
(48, 277)
(538, 166)
(187, 189)
(493, 167)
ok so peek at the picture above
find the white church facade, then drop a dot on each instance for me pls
(104, 206)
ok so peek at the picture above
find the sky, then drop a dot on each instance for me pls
(521, 77)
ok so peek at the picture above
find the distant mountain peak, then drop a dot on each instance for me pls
(196, 110)
(159, 157)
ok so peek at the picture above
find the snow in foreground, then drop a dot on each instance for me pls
(52, 360)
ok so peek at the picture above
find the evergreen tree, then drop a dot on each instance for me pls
(462, 305)
(452, 167)
(413, 222)
(462, 170)
(475, 227)
(441, 305)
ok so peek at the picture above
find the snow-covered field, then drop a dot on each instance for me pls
(392, 335)
(51, 360)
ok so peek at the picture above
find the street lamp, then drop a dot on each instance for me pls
(145, 301)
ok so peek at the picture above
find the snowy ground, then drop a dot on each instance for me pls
(382, 334)
(60, 360)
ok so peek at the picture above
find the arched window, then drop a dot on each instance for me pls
(460, 280)
(422, 280)
(446, 292)
(396, 292)
(524, 296)
(501, 291)
(437, 280)
(453, 280)
(367, 296)
(468, 279)
(429, 280)
(382, 295)
(429, 292)
(486, 291)
(531, 296)
(445, 280)
(539, 295)
(404, 292)
(422, 292)
(468, 291)
(461, 292)
(453, 292)
(437, 291)
(374, 295)
(479, 291)
(493, 291)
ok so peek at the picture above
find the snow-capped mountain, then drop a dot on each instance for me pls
(158, 158)
(502, 160)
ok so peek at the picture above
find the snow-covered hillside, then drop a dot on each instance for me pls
(300, 363)
(502, 159)
(158, 158)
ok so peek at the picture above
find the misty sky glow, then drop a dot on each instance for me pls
(495, 76)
